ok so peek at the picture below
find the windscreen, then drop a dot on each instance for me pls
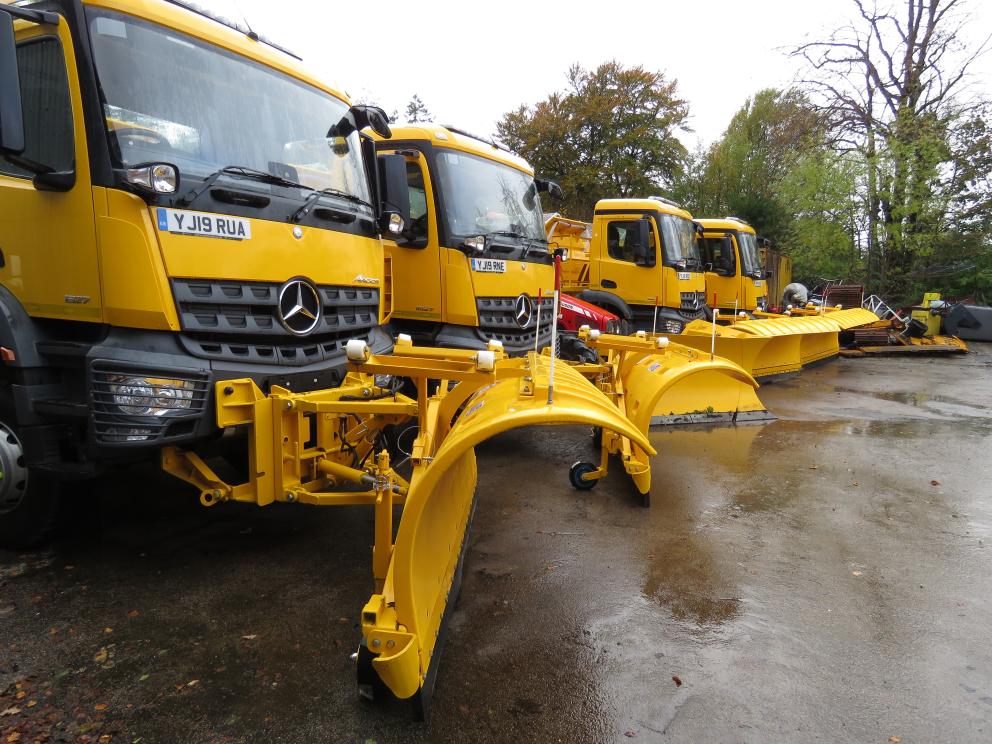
(482, 197)
(679, 240)
(749, 252)
(171, 98)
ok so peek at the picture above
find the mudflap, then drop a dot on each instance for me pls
(403, 623)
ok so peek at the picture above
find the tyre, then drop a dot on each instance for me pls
(576, 473)
(29, 499)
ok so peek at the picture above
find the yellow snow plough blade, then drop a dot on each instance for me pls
(763, 356)
(330, 447)
(401, 623)
(663, 382)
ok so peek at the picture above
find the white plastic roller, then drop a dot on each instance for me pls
(486, 361)
(404, 339)
(662, 342)
(495, 345)
(357, 350)
(594, 334)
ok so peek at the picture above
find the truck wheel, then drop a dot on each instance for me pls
(29, 500)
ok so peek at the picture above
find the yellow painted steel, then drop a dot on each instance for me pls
(763, 357)
(662, 382)
(318, 448)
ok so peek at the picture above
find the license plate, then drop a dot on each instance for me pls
(685, 275)
(489, 265)
(204, 224)
(757, 282)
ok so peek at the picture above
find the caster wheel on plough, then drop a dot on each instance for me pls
(576, 472)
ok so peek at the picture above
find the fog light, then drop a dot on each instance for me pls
(613, 326)
(161, 178)
(150, 396)
(127, 434)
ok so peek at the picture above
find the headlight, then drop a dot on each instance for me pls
(613, 326)
(673, 326)
(150, 396)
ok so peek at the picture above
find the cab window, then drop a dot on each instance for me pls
(719, 253)
(619, 246)
(46, 108)
(418, 202)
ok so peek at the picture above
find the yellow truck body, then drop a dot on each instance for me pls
(735, 278)
(474, 257)
(638, 258)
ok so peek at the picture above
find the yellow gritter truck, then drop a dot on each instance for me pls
(170, 215)
(734, 273)
(638, 259)
(475, 243)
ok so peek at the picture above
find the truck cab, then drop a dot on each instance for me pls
(734, 272)
(181, 204)
(474, 252)
(638, 259)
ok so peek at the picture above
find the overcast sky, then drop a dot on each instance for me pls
(472, 62)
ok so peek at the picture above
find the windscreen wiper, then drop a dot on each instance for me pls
(240, 171)
(312, 198)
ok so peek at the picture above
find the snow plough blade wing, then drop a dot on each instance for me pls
(403, 622)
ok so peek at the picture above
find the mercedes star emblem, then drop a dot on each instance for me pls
(299, 307)
(522, 310)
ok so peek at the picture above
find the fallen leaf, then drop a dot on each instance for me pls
(855, 483)
(100, 656)
(251, 637)
(13, 737)
(100, 706)
(32, 703)
(104, 737)
(677, 680)
(895, 739)
(108, 630)
(932, 483)
(143, 677)
(9, 712)
(21, 695)
(855, 573)
(133, 614)
(193, 683)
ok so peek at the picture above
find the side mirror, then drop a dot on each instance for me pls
(357, 118)
(394, 194)
(640, 243)
(551, 188)
(11, 115)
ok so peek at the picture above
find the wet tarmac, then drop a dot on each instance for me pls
(824, 577)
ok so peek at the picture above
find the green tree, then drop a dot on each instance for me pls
(892, 83)
(610, 133)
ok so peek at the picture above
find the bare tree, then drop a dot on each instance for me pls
(893, 84)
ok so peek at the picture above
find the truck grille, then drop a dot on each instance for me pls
(497, 319)
(692, 302)
(238, 321)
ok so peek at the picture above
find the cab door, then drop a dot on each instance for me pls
(723, 276)
(48, 250)
(415, 257)
(635, 279)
